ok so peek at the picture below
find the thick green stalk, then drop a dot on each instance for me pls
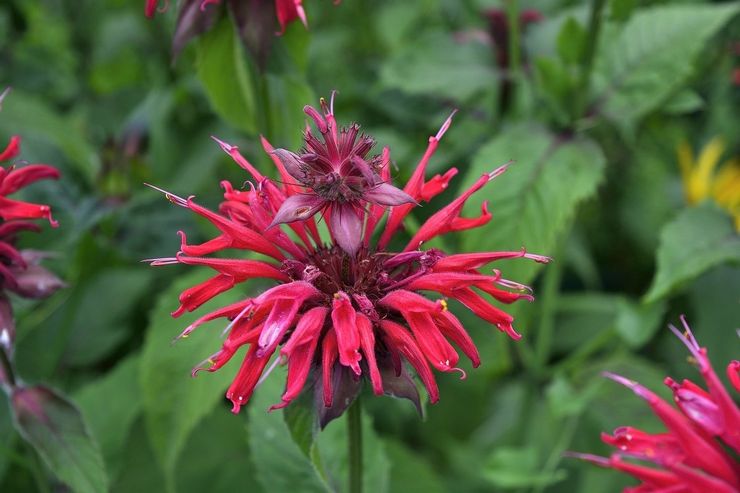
(354, 443)
(589, 54)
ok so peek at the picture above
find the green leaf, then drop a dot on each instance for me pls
(140, 471)
(301, 422)
(518, 467)
(218, 459)
(555, 84)
(622, 9)
(637, 323)
(280, 462)
(571, 41)
(30, 117)
(57, 431)
(97, 325)
(410, 473)
(652, 56)
(686, 101)
(173, 402)
(288, 95)
(227, 76)
(698, 239)
(534, 200)
(111, 405)
(416, 69)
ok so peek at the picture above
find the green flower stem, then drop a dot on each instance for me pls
(515, 52)
(354, 442)
(587, 64)
(550, 292)
(7, 368)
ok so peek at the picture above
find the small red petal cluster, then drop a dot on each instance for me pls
(338, 314)
(286, 10)
(693, 455)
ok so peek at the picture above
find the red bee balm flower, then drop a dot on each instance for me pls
(692, 456)
(349, 308)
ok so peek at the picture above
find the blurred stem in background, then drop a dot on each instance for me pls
(6, 369)
(589, 54)
(513, 76)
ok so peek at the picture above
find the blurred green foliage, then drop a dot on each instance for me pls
(590, 99)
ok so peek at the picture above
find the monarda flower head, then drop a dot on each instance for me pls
(20, 271)
(349, 308)
(693, 455)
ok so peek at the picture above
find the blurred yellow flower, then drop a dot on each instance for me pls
(702, 180)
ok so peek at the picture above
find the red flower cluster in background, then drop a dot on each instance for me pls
(693, 455)
(345, 308)
(286, 10)
(20, 271)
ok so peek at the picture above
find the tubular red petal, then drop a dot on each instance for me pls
(697, 405)
(238, 236)
(299, 366)
(478, 305)
(367, 342)
(307, 329)
(233, 151)
(277, 324)
(733, 374)
(414, 186)
(447, 219)
(698, 482)
(195, 296)
(243, 385)
(407, 301)
(451, 328)
(437, 185)
(12, 149)
(328, 357)
(21, 177)
(431, 341)
(15, 209)
(239, 269)
(398, 337)
(343, 316)
(468, 261)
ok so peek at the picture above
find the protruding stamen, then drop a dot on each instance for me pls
(267, 373)
(594, 459)
(687, 338)
(175, 199)
(224, 145)
(445, 125)
(541, 259)
(5, 92)
(500, 170)
(154, 262)
(236, 319)
(512, 284)
(631, 384)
